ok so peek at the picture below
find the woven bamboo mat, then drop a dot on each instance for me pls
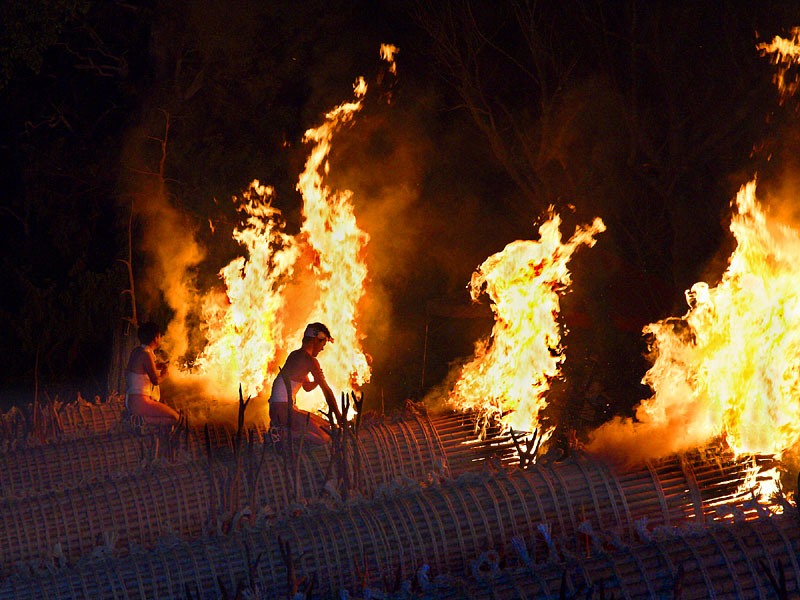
(445, 526)
(69, 421)
(723, 561)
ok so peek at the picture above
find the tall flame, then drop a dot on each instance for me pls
(510, 373)
(243, 325)
(255, 321)
(331, 231)
(731, 365)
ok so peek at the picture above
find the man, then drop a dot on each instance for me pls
(299, 365)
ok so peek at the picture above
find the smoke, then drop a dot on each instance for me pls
(661, 427)
(168, 238)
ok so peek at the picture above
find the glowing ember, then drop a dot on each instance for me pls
(388, 52)
(511, 373)
(785, 53)
(731, 365)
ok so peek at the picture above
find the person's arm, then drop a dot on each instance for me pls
(330, 398)
(309, 385)
(156, 375)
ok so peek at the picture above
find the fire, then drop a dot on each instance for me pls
(243, 325)
(785, 53)
(511, 372)
(388, 52)
(256, 320)
(330, 229)
(731, 365)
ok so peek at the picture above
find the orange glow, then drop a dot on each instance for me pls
(330, 229)
(388, 52)
(243, 325)
(511, 372)
(740, 365)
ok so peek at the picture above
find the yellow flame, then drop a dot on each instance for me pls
(731, 365)
(330, 229)
(510, 374)
(254, 321)
(243, 327)
(785, 53)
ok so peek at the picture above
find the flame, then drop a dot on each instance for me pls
(330, 229)
(254, 322)
(511, 372)
(388, 52)
(785, 53)
(731, 365)
(243, 325)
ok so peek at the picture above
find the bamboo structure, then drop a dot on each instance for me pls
(742, 561)
(140, 507)
(58, 466)
(54, 421)
(444, 526)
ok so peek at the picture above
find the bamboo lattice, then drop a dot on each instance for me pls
(58, 422)
(719, 562)
(62, 465)
(138, 508)
(444, 526)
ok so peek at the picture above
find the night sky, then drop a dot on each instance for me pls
(650, 115)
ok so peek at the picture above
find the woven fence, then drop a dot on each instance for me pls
(62, 465)
(444, 526)
(54, 421)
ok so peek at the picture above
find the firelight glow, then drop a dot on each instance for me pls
(785, 53)
(246, 325)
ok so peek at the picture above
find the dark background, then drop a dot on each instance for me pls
(650, 115)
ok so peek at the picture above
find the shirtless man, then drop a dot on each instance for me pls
(143, 376)
(295, 374)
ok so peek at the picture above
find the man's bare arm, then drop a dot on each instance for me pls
(156, 374)
(331, 400)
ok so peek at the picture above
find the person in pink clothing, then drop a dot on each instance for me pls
(143, 376)
(302, 370)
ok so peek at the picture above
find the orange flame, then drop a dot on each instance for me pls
(510, 373)
(331, 231)
(388, 52)
(243, 327)
(255, 320)
(785, 53)
(731, 365)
